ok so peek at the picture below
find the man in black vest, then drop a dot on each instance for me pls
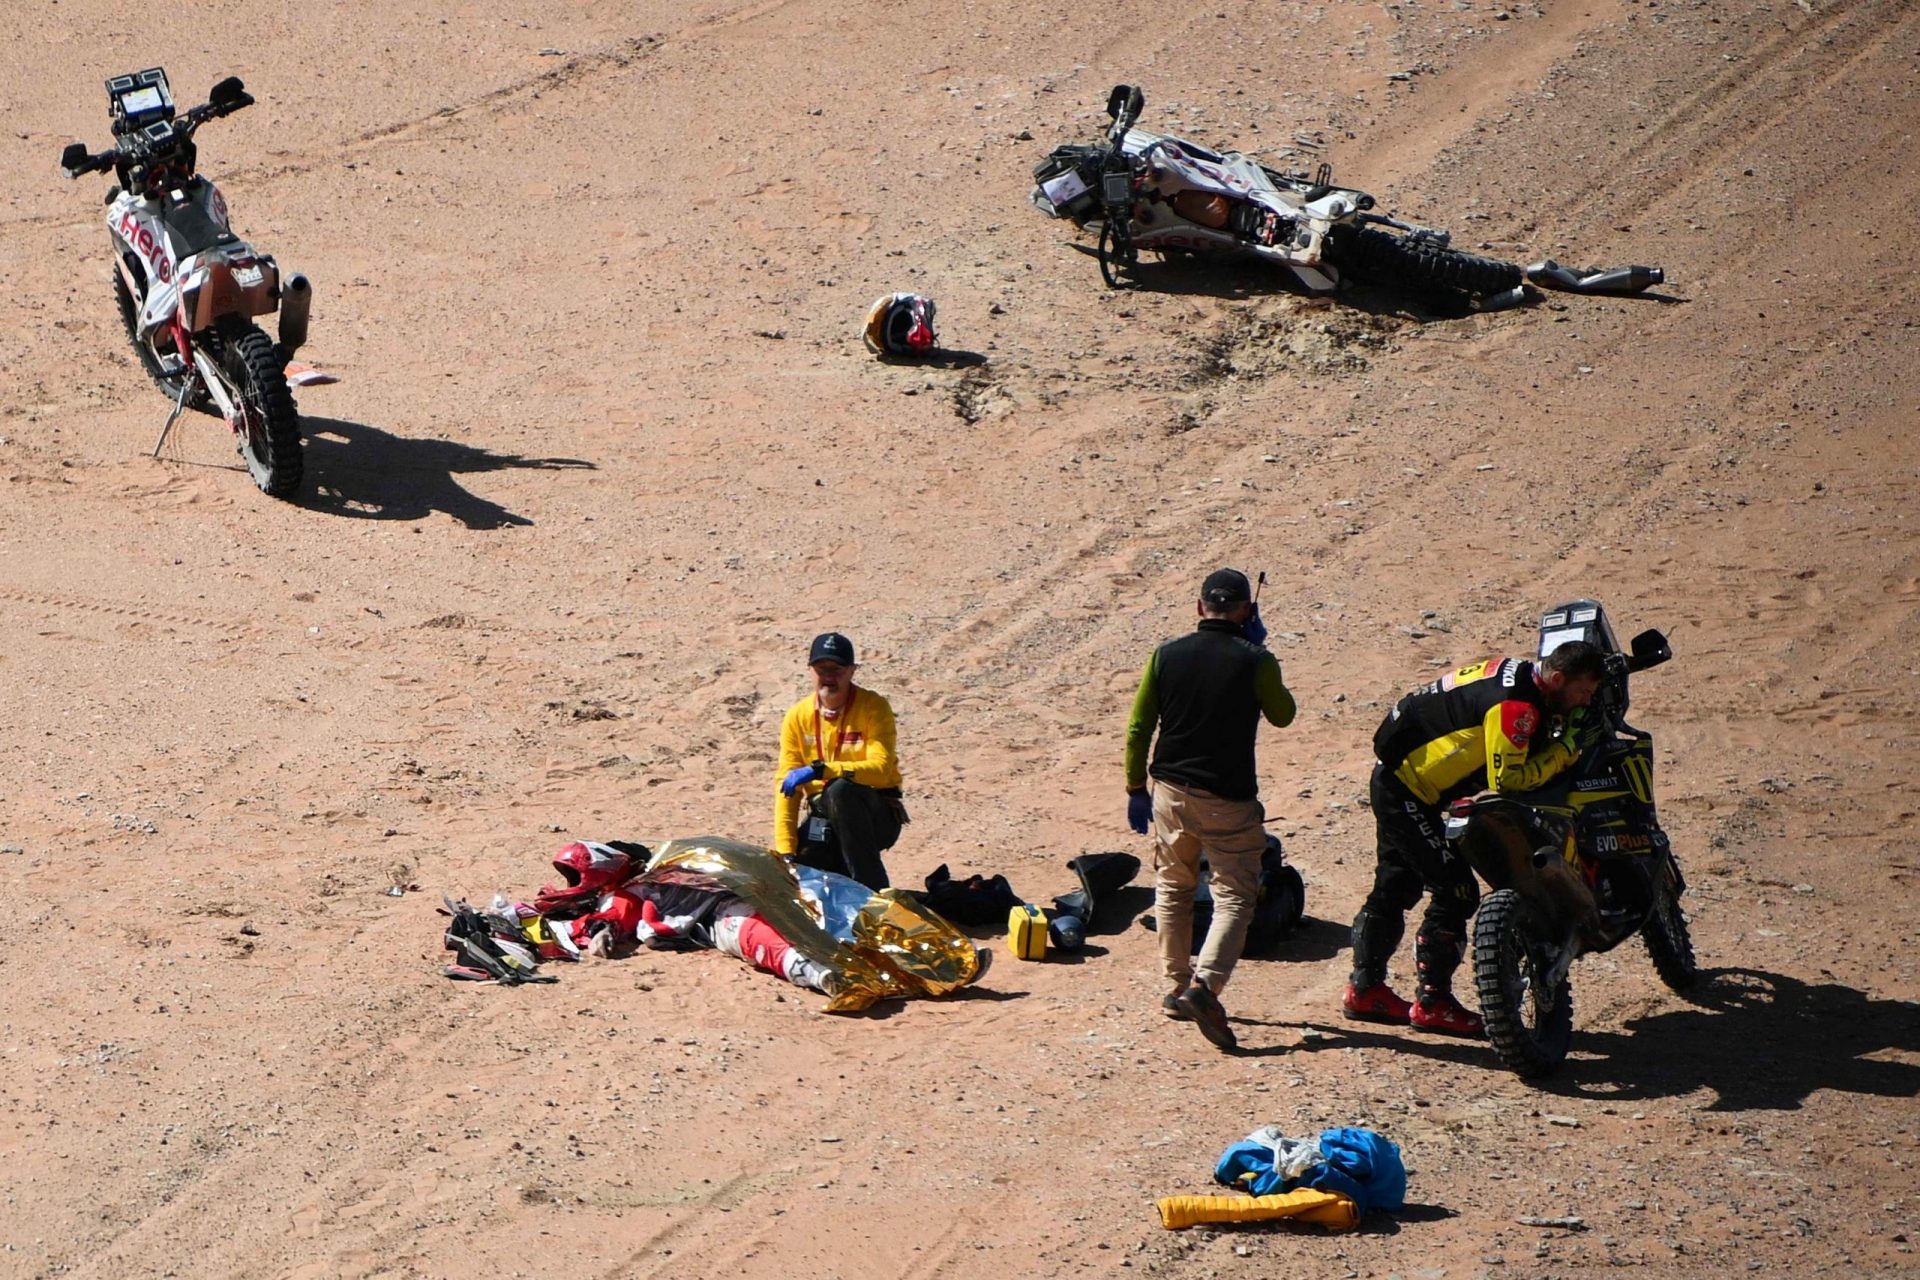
(1206, 693)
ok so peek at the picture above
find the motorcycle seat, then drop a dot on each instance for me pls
(191, 230)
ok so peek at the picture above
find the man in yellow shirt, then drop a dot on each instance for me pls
(837, 751)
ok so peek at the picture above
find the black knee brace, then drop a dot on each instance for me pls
(1376, 934)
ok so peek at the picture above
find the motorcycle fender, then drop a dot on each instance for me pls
(1674, 876)
(1565, 890)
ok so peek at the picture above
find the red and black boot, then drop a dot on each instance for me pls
(1368, 997)
(1438, 954)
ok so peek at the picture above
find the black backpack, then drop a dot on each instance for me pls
(1277, 912)
(976, 901)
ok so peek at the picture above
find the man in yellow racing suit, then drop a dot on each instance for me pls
(1480, 727)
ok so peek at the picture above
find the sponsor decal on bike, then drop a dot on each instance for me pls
(152, 250)
(1639, 771)
(1623, 843)
(1176, 239)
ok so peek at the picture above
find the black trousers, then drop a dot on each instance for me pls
(1412, 858)
(862, 823)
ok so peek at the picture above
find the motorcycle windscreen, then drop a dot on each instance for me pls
(1062, 189)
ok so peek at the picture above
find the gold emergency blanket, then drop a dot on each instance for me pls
(899, 948)
(1325, 1208)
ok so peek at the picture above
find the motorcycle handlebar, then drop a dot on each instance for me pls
(78, 165)
(228, 97)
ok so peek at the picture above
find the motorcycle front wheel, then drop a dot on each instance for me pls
(1668, 941)
(1530, 1025)
(269, 429)
(1115, 251)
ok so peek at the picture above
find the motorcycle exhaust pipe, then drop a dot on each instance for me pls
(295, 302)
(1616, 280)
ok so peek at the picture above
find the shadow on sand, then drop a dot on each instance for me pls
(1761, 1041)
(364, 473)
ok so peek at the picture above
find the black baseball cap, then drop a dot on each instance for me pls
(1225, 588)
(833, 647)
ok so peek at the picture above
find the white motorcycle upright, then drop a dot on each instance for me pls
(188, 287)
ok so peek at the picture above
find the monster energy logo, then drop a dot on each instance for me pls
(1639, 771)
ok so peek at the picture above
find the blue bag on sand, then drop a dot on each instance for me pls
(1362, 1165)
(1357, 1163)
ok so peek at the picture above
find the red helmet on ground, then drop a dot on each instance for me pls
(901, 324)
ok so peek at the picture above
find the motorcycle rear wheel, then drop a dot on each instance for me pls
(1531, 1029)
(1386, 259)
(168, 382)
(270, 431)
(1669, 942)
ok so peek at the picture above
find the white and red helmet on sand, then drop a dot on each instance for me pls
(590, 870)
(901, 324)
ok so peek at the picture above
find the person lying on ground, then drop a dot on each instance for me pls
(813, 928)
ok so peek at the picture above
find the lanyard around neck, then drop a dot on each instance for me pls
(846, 713)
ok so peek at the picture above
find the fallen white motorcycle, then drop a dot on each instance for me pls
(1169, 196)
(187, 286)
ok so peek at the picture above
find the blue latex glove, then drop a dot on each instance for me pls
(1254, 629)
(1139, 811)
(798, 778)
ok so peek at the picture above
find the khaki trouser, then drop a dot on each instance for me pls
(1186, 823)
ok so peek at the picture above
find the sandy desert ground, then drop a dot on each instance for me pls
(606, 451)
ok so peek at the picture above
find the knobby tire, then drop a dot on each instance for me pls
(1532, 1041)
(1382, 258)
(270, 436)
(1669, 942)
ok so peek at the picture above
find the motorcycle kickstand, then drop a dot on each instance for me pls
(179, 407)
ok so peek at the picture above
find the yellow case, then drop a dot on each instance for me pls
(1027, 932)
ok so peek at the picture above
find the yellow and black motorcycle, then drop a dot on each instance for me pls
(1579, 866)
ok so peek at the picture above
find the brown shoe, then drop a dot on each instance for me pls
(1204, 1008)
